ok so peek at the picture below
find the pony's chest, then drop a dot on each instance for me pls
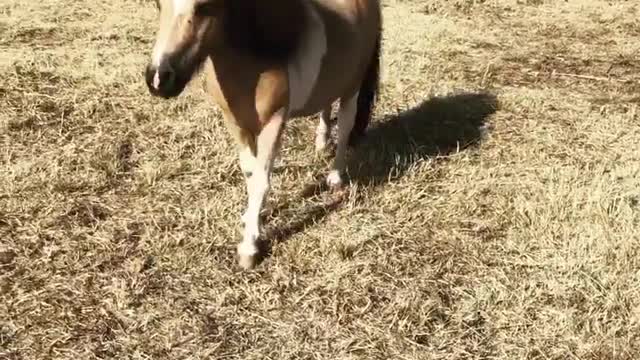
(249, 95)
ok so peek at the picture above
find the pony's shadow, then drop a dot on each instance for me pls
(436, 127)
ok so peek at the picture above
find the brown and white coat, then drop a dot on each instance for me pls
(266, 62)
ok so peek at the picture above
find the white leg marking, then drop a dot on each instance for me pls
(247, 160)
(323, 130)
(346, 120)
(247, 164)
(304, 68)
(258, 186)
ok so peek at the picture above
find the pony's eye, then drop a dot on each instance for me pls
(207, 8)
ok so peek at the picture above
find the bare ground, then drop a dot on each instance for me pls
(492, 214)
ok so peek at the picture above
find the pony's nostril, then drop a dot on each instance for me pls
(162, 80)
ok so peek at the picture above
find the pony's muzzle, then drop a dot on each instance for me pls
(161, 80)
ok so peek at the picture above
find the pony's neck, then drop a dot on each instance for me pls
(268, 30)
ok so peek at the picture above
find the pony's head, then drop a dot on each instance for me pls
(188, 30)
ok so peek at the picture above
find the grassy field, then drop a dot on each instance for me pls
(492, 214)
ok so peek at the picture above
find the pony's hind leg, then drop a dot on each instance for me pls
(346, 120)
(258, 185)
(323, 130)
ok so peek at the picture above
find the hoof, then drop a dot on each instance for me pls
(247, 255)
(334, 180)
(321, 143)
(247, 262)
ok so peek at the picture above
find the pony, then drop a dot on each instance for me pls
(266, 62)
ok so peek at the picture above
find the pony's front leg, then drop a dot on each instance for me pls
(258, 185)
(246, 144)
(247, 159)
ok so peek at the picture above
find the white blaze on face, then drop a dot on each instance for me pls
(156, 80)
(178, 7)
(181, 7)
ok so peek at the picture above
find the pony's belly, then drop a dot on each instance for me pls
(304, 68)
(334, 56)
(308, 110)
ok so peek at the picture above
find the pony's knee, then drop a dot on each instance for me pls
(247, 253)
(247, 161)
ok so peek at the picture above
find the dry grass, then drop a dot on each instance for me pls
(119, 212)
